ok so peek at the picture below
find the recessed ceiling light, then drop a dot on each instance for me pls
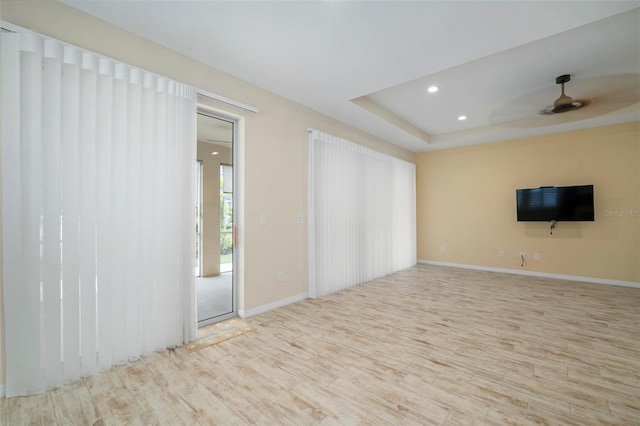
(432, 89)
(215, 153)
(462, 117)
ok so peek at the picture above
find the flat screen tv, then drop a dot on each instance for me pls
(555, 203)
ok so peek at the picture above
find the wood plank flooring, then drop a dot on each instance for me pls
(428, 345)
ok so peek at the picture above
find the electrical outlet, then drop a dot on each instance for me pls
(263, 220)
(501, 253)
(300, 219)
(281, 276)
(442, 248)
(536, 256)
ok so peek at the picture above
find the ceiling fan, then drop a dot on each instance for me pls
(603, 94)
(564, 103)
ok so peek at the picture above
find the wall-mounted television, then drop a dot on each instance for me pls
(555, 203)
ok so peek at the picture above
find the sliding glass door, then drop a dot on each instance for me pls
(216, 295)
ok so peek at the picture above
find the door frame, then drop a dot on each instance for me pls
(199, 218)
(237, 259)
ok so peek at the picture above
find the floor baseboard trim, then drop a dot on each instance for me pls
(534, 273)
(270, 306)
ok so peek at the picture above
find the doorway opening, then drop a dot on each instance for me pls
(215, 284)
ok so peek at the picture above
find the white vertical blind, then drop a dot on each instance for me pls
(97, 212)
(362, 222)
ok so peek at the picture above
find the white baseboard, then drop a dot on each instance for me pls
(269, 306)
(534, 273)
(2, 391)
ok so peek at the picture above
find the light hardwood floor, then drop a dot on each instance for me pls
(429, 345)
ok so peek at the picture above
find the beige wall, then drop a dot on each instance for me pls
(211, 204)
(466, 203)
(274, 155)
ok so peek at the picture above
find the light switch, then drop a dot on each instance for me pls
(263, 220)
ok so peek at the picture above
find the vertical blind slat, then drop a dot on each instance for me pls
(70, 250)
(87, 216)
(51, 253)
(104, 223)
(11, 211)
(31, 207)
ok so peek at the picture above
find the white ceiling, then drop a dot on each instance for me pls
(369, 63)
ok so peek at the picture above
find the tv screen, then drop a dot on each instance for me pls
(559, 203)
